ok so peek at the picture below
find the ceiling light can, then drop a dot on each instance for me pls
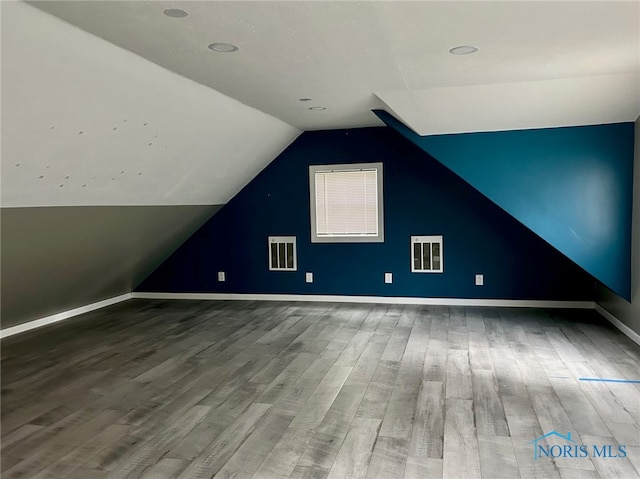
(463, 50)
(175, 13)
(223, 47)
(317, 108)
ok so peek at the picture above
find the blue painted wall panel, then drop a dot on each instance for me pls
(572, 186)
(421, 197)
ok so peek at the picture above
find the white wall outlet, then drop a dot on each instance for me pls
(221, 276)
(479, 279)
(308, 277)
(388, 277)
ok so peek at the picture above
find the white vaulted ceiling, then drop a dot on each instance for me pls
(86, 123)
(116, 103)
(539, 63)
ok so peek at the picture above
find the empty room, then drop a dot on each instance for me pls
(320, 240)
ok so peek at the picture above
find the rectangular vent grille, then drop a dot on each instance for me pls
(282, 253)
(426, 254)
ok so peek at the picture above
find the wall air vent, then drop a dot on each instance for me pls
(426, 254)
(282, 253)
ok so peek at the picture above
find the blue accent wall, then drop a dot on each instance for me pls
(421, 197)
(572, 186)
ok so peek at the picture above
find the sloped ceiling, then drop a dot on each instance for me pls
(109, 162)
(593, 100)
(88, 123)
(539, 64)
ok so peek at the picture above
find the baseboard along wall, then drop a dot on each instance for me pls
(505, 303)
(54, 318)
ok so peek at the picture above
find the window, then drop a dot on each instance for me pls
(282, 253)
(346, 203)
(426, 254)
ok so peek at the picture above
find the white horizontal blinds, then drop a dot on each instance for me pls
(347, 203)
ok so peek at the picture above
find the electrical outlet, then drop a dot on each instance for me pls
(388, 277)
(479, 280)
(308, 277)
(221, 276)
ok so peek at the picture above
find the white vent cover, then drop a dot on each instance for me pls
(426, 254)
(282, 253)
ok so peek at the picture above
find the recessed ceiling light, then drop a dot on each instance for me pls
(316, 108)
(175, 13)
(223, 47)
(304, 99)
(463, 50)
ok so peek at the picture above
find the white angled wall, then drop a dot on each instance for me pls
(87, 123)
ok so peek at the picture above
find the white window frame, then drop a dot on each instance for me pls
(278, 240)
(313, 169)
(427, 239)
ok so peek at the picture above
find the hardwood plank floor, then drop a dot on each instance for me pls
(270, 390)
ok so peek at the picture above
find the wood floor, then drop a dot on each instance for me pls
(189, 389)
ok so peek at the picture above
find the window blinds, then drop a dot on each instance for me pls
(347, 203)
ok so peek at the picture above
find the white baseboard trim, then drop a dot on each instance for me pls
(508, 303)
(38, 323)
(626, 330)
